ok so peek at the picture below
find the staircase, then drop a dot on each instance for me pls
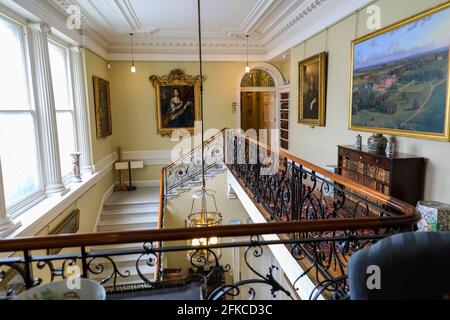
(128, 211)
(195, 181)
(139, 210)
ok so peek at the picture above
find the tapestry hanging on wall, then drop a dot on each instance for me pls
(400, 78)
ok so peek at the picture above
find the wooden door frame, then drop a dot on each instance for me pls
(279, 87)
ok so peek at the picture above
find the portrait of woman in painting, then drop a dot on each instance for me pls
(177, 105)
(177, 102)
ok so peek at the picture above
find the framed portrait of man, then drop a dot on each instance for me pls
(312, 90)
(177, 102)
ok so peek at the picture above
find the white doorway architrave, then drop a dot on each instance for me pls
(279, 87)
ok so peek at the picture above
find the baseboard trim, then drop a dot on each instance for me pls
(142, 183)
(106, 196)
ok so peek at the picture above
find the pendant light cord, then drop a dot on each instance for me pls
(247, 49)
(132, 49)
(201, 92)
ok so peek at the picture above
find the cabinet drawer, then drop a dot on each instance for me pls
(370, 159)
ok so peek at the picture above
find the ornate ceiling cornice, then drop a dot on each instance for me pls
(269, 23)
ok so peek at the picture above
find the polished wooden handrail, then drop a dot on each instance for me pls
(402, 207)
(407, 218)
(177, 234)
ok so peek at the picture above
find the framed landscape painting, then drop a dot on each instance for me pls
(177, 102)
(400, 78)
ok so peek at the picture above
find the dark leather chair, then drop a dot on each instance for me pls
(412, 266)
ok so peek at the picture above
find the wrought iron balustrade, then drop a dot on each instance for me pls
(188, 167)
(322, 218)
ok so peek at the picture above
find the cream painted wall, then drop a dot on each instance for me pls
(134, 103)
(97, 66)
(178, 209)
(319, 145)
(89, 203)
(134, 114)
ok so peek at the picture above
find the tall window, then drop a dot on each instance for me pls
(18, 141)
(59, 64)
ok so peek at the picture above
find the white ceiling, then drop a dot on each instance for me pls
(167, 29)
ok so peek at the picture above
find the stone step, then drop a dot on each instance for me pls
(136, 199)
(128, 227)
(129, 219)
(132, 207)
(151, 208)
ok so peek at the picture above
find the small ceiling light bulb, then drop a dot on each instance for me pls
(247, 68)
(133, 67)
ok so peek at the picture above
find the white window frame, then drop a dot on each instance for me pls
(27, 203)
(56, 41)
(15, 209)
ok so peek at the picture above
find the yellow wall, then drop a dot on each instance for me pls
(88, 204)
(178, 209)
(97, 66)
(318, 145)
(134, 114)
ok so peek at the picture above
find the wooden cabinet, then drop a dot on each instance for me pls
(401, 176)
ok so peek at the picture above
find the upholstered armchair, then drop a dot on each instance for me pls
(405, 266)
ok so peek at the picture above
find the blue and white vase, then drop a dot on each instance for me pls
(377, 143)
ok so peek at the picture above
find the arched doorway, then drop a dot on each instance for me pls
(258, 99)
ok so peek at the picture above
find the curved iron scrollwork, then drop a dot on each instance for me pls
(188, 168)
(234, 290)
(150, 258)
(98, 268)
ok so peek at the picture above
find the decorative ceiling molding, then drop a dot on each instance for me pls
(303, 11)
(275, 26)
(252, 20)
(323, 16)
(128, 12)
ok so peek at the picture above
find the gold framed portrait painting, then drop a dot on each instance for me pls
(177, 102)
(102, 102)
(68, 225)
(400, 78)
(312, 90)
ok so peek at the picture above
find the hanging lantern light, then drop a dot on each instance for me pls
(204, 212)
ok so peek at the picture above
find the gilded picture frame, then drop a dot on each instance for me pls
(312, 90)
(102, 103)
(177, 102)
(423, 114)
(69, 225)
